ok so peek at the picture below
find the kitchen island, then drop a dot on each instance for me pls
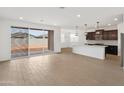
(95, 51)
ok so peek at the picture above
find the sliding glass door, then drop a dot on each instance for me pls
(19, 42)
(29, 41)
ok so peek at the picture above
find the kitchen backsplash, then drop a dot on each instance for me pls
(106, 42)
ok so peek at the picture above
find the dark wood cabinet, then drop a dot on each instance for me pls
(90, 36)
(113, 35)
(111, 50)
(99, 34)
(102, 35)
(105, 35)
(110, 35)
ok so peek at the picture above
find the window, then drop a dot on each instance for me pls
(62, 38)
(74, 38)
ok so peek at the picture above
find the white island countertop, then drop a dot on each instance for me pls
(96, 51)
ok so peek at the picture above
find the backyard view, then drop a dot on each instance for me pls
(38, 41)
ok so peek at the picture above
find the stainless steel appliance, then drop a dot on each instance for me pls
(122, 49)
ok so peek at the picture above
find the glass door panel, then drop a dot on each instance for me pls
(19, 42)
(37, 44)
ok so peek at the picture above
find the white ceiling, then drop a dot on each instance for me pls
(65, 17)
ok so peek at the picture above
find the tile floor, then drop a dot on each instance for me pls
(65, 68)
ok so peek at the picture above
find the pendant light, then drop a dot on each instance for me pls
(76, 28)
(85, 29)
(97, 26)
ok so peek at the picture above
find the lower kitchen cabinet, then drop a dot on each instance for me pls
(112, 50)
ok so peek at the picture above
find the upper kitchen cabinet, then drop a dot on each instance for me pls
(90, 36)
(99, 34)
(102, 35)
(110, 35)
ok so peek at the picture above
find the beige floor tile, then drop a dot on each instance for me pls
(65, 68)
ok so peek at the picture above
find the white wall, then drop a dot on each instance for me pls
(65, 37)
(4, 41)
(5, 35)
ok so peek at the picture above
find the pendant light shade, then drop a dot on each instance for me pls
(97, 26)
(76, 28)
(85, 33)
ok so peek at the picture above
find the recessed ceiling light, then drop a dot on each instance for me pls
(115, 19)
(109, 24)
(21, 18)
(54, 24)
(78, 15)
